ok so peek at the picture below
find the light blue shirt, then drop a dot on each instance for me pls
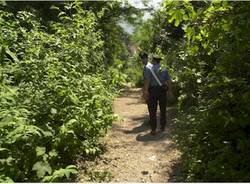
(162, 76)
(148, 65)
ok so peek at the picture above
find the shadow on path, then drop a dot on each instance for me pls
(144, 126)
(132, 135)
(148, 137)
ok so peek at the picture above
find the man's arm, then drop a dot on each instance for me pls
(145, 89)
(146, 84)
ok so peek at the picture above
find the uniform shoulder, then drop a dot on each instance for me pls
(149, 65)
(163, 68)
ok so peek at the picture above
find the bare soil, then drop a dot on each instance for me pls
(132, 153)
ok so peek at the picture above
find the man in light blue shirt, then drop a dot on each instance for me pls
(144, 59)
(146, 64)
(156, 85)
(163, 76)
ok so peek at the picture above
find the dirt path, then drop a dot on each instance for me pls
(133, 155)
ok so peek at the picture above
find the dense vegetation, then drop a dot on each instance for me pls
(206, 48)
(62, 63)
(56, 93)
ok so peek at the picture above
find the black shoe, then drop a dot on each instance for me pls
(153, 132)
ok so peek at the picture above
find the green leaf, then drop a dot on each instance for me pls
(40, 151)
(41, 168)
(12, 55)
(47, 133)
(53, 111)
(53, 153)
(226, 26)
(74, 98)
(3, 149)
(23, 132)
(71, 122)
(7, 121)
(61, 173)
(5, 179)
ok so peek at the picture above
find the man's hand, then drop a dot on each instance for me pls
(145, 95)
(145, 90)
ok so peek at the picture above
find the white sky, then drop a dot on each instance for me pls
(139, 4)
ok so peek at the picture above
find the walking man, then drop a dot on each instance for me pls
(156, 85)
(146, 64)
(144, 59)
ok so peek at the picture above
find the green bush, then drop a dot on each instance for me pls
(134, 71)
(55, 95)
(213, 76)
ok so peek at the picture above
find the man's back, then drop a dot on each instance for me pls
(147, 66)
(163, 76)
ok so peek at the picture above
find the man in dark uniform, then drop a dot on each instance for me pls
(156, 84)
(144, 59)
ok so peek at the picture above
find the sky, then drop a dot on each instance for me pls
(139, 4)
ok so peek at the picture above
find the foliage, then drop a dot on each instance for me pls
(212, 70)
(114, 36)
(154, 36)
(134, 70)
(143, 35)
(206, 50)
(55, 94)
(117, 77)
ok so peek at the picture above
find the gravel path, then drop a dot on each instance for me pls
(132, 154)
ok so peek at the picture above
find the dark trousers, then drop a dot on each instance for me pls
(157, 93)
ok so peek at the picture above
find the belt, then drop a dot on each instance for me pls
(157, 86)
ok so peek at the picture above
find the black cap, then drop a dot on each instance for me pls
(143, 55)
(156, 58)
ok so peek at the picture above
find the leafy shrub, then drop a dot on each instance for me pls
(56, 99)
(213, 75)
